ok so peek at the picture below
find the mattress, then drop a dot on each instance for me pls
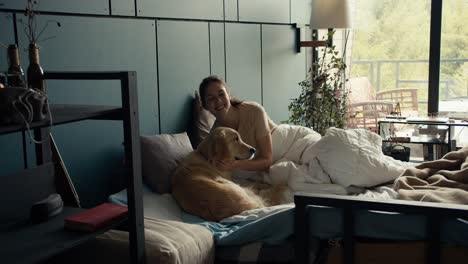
(235, 244)
(276, 224)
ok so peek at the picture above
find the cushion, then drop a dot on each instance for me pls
(169, 242)
(202, 121)
(361, 90)
(159, 157)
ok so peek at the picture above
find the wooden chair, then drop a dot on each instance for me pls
(367, 114)
(363, 108)
(406, 97)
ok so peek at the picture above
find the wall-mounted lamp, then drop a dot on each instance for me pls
(326, 14)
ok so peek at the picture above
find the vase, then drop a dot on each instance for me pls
(35, 72)
(15, 74)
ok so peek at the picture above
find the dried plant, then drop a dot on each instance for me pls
(31, 27)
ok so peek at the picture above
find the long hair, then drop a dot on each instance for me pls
(214, 79)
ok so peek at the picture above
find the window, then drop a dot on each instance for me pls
(390, 54)
(453, 83)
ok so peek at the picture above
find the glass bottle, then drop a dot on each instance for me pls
(35, 72)
(15, 74)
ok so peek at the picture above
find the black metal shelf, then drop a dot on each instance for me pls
(429, 123)
(62, 114)
(31, 243)
(418, 140)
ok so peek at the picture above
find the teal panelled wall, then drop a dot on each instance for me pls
(123, 7)
(11, 155)
(243, 61)
(97, 7)
(183, 51)
(299, 11)
(283, 69)
(98, 44)
(230, 10)
(7, 36)
(195, 9)
(172, 45)
(273, 11)
(217, 54)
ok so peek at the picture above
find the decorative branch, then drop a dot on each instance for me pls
(31, 27)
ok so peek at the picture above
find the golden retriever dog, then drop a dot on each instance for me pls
(204, 190)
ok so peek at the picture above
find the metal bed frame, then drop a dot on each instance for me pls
(434, 212)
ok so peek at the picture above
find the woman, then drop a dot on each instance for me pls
(248, 118)
(296, 155)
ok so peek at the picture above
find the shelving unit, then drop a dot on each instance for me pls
(24, 242)
(430, 134)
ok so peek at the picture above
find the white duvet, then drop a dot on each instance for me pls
(331, 164)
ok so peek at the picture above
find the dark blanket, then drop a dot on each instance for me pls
(444, 180)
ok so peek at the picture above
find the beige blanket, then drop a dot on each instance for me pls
(444, 180)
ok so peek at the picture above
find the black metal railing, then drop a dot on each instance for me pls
(375, 74)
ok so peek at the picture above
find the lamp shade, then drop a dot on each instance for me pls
(330, 14)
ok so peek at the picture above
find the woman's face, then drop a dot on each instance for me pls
(217, 99)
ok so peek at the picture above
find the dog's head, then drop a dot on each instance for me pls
(225, 144)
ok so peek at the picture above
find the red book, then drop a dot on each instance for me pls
(97, 217)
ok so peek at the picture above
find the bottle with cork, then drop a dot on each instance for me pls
(15, 74)
(35, 72)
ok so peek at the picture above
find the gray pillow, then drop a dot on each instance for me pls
(202, 122)
(159, 157)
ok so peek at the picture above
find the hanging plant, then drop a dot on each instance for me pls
(322, 101)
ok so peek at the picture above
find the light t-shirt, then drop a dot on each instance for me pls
(254, 123)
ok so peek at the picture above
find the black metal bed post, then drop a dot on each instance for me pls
(433, 247)
(301, 230)
(132, 160)
(348, 240)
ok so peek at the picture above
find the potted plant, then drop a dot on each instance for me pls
(322, 101)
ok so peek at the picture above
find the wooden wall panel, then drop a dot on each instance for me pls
(183, 51)
(243, 61)
(283, 69)
(11, 152)
(217, 53)
(192, 9)
(98, 44)
(7, 37)
(123, 7)
(100, 7)
(230, 9)
(300, 11)
(267, 11)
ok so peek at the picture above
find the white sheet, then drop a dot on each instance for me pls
(163, 206)
(307, 162)
(156, 206)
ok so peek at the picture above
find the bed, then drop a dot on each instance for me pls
(267, 235)
(259, 236)
(310, 227)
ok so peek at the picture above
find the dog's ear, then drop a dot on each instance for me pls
(218, 149)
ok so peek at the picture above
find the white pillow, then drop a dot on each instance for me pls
(354, 157)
